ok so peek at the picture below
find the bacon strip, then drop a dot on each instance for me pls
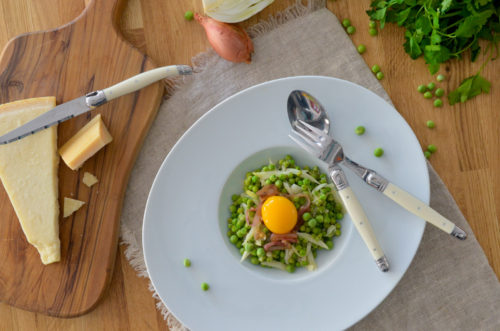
(289, 237)
(274, 245)
(267, 191)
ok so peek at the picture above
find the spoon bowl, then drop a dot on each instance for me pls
(303, 106)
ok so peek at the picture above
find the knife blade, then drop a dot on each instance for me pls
(92, 100)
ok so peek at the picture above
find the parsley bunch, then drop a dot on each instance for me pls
(444, 29)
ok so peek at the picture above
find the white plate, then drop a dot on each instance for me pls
(188, 206)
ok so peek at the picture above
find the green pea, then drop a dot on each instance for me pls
(378, 152)
(359, 130)
(290, 268)
(254, 260)
(431, 86)
(430, 124)
(329, 243)
(271, 166)
(438, 103)
(249, 247)
(316, 230)
(233, 239)
(234, 197)
(337, 233)
(338, 225)
(307, 216)
(261, 252)
(422, 88)
(375, 68)
(439, 92)
(380, 75)
(268, 182)
(188, 15)
(361, 49)
(440, 78)
(339, 216)
(373, 32)
(427, 154)
(432, 148)
(319, 218)
(204, 286)
(427, 95)
(351, 29)
(312, 223)
(232, 209)
(278, 183)
(372, 24)
(346, 22)
(255, 179)
(265, 168)
(283, 177)
(187, 263)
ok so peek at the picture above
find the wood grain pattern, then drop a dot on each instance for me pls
(67, 62)
(462, 133)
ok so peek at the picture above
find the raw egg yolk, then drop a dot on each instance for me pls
(279, 214)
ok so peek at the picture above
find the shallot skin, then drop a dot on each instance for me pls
(229, 41)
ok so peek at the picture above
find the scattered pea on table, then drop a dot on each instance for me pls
(361, 49)
(427, 95)
(440, 78)
(372, 24)
(438, 103)
(439, 92)
(188, 15)
(372, 32)
(187, 263)
(204, 286)
(351, 29)
(427, 154)
(380, 75)
(346, 22)
(431, 86)
(432, 148)
(430, 124)
(375, 68)
(422, 88)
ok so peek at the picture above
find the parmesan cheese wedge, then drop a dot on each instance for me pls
(71, 205)
(89, 179)
(85, 143)
(28, 170)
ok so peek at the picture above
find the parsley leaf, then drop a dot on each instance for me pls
(473, 24)
(469, 88)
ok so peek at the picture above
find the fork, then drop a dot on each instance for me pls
(328, 150)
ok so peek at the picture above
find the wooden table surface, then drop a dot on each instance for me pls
(467, 136)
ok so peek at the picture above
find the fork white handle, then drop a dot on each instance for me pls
(405, 199)
(358, 216)
(422, 210)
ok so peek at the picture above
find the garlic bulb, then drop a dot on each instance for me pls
(232, 11)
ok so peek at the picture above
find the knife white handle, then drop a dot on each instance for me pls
(144, 79)
(363, 226)
(422, 210)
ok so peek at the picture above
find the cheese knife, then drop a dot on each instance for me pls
(92, 100)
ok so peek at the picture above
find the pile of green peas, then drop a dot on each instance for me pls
(324, 213)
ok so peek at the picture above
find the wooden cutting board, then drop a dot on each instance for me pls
(85, 55)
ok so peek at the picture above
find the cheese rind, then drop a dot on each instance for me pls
(71, 205)
(85, 143)
(89, 179)
(28, 170)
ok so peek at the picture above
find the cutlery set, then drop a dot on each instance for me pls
(310, 127)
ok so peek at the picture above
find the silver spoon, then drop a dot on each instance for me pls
(302, 104)
(372, 178)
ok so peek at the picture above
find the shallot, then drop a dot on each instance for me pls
(231, 42)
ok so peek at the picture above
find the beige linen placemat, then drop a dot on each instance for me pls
(449, 285)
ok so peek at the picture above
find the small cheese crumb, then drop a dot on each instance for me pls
(89, 179)
(71, 205)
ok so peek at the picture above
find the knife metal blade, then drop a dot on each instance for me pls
(55, 116)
